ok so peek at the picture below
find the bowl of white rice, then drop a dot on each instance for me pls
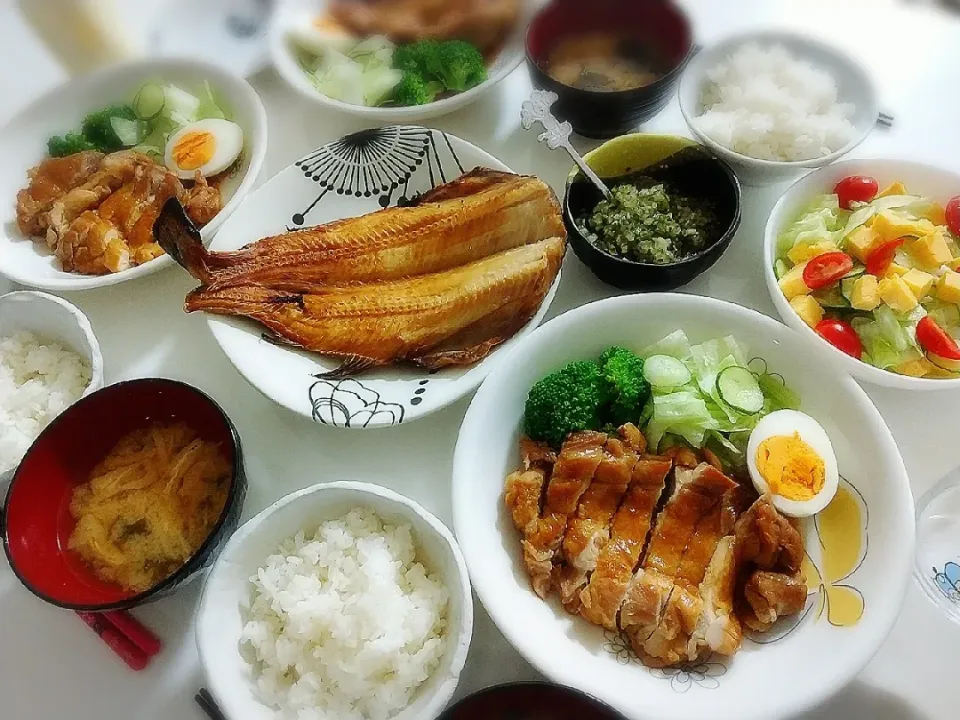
(776, 104)
(342, 601)
(49, 359)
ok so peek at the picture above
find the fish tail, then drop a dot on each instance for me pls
(238, 300)
(180, 239)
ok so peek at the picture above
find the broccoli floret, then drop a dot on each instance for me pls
(99, 132)
(626, 385)
(567, 400)
(414, 90)
(63, 145)
(421, 57)
(461, 65)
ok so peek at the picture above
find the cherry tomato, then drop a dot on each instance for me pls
(934, 339)
(826, 269)
(952, 213)
(841, 335)
(856, 188)
(881, 257)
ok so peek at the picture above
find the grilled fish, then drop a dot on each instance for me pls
(454, 317)
(482, 213)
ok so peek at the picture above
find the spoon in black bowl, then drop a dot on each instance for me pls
(557, 134)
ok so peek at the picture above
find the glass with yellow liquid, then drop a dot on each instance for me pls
(938, 544)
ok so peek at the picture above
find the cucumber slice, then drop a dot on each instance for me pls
(855, 272)
(738, 388)
(149, 102)
(665, 371)
(831, 297)
(944, 363)
(780, 268)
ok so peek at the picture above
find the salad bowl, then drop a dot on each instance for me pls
(798, 665)
(23, 145)
(924, 180)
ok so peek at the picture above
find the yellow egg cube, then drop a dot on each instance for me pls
(897, 294)
(919, 282)
(936, 214)
(948, 287)
(890, 225)
(792, 283)
(931, 251)
(802, 252)
(896, 270)
(808, 309)
(860, 242)
(916, 368)
(866, 293)
(895, 188)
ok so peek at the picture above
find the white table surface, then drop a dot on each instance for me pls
(52, 666)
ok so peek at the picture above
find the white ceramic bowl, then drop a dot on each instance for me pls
(54, 319)
(854, 85)
(219, 622)
(805, 661)
(932, 182)
(23, 144)
(299, 12)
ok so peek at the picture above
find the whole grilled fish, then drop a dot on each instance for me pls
(455, 317)
(482, 213)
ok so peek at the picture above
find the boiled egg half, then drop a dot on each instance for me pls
(791, 458)
(322, 34)
(210, 146)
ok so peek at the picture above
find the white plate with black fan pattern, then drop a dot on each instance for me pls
(355, 175)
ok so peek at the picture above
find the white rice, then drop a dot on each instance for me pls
(766, 103)
(39, 379)
(345, 625)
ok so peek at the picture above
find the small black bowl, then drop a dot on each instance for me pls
(36, 521)
(529, 700)
(680, 161)
(657, 24)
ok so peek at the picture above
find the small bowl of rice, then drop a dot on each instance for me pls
(49, 359)
(776, 104)
(342, 601)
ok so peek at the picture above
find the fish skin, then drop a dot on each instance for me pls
(412, 320)
(480, 214)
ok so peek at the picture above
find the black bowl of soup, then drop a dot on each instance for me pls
(675, 208)
(612, 63)
(530, 701)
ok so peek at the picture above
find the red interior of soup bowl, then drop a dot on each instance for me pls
(38, 523)
(657, 22)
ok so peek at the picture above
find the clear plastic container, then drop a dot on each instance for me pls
(938, 544)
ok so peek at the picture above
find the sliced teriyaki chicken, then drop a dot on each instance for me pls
(49, 181)
(696, 493)
(718, 628)
(589, 531)
(576, 464)
(524, 488)
(772, 595)
(601, 598)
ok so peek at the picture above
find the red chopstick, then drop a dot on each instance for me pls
(125, 635)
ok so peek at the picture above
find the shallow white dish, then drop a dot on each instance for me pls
(23, 143)
(327, 185)
(926, 180)
(803, 662)
(297, 12)
(854, 85)
(55, 319)
(219, 621)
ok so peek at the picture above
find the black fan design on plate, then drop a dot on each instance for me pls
(377, 163)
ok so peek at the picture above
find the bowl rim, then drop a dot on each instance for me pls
(463, 633)
(639, 137)
(662, 84)
(179, 574)
(542, 684)
(903, 503)
(279, 52)
(149, 67)
(727, 44)
(857, 368)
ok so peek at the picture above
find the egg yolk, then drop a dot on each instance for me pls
(194, 150)
(791, 468)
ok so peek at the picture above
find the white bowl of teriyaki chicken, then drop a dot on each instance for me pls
(88, 166)
(663, 504)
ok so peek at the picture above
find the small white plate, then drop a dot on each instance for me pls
(860, 551)
(353, 176)
(23, 143)
(298, 12)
